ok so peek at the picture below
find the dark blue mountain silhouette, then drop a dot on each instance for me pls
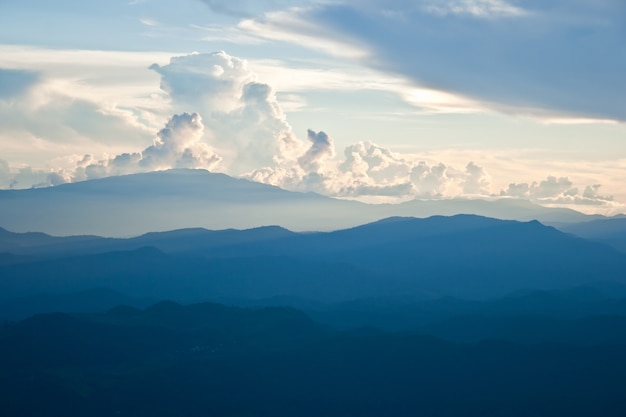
(210, 359)
(463, 256)
(610, 231)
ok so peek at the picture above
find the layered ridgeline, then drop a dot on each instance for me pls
(134, 204)
(463, 256)
(438, 316)
(209, 359)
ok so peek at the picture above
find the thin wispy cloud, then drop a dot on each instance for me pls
(506, 57)
(489, 9)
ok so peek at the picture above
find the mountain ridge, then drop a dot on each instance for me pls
(135, 204)
(465, 255)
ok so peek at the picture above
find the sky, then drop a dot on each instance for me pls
(381, 101)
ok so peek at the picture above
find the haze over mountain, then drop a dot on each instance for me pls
(312, 208)
(139, 203)
(463, 256)
(611, 231)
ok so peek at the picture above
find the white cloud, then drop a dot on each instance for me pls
(226, 119)
(369, 159)
(476, 181)
(475, 8)
(555, 190)
(178, 145)
(430, 181)
(243, 119)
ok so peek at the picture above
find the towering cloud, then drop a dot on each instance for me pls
(243, 119)
(321, 148)
(177, 145)
(430, 181)
(225, 119)
(476, 180)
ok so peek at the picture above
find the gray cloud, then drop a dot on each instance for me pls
(321, 148)
(14, 83)
(25, 177)
(553, 57)
(555, 190)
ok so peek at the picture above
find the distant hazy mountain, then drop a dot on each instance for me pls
(134, 204)
(610, 231)
(463, 256)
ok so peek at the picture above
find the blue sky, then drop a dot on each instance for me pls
(375, 100)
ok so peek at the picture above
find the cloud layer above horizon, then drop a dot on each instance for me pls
(378, 101)
(225, 120)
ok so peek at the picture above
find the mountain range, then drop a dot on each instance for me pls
(210, 359)
(135, 204)
(464, 256)
(190, 293)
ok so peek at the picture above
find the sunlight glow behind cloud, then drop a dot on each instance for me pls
(483, 98)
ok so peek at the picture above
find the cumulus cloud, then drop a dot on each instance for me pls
(225, 119)
(205, 82)
(555, 190)
(429, 181)
(5, 174)
(476, 181)
(369, 169)
(22, 177)
(177, 145)
(321, 148)
(243, 119)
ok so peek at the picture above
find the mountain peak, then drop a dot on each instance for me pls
(131, 205)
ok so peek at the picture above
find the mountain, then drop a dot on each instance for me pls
(210, 359)
(89, 301)
(135, 204)
(611, 231)
(182, 240)
(463, 256)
